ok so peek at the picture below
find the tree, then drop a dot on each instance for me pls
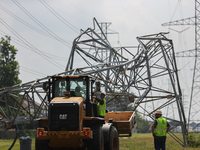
(143, 126)
(9, 67)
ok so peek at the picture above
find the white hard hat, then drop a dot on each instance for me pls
(103, 92)
(158, 112)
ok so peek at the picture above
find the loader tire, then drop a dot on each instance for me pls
(97, 142)
(113, 141)
(42, 144)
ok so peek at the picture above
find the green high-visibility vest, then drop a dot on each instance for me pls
(78, 94)
(161, 127)
(102, 108)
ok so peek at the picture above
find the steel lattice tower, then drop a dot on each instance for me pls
(118, 75)
(194, 108)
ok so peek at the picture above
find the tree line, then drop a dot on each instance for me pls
(9, 67)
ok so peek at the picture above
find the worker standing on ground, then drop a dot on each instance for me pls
(101, 105)
(160, 129)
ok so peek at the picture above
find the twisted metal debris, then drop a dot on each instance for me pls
(145, 79)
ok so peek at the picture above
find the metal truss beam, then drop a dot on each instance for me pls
(130, 82)
(187, 21)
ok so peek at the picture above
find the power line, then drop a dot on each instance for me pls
(176, 8)
(80, 9)
(23, 22)
(59, 16)
(31, 71)
(40, 24)
(27, 24)
(25, 46)
(30, 45)
(193, 112)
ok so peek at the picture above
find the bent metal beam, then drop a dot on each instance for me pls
(144, 79)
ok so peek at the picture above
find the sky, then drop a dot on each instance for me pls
(39, 55)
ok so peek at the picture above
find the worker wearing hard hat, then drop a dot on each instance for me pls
(101, 105)
(160, 129)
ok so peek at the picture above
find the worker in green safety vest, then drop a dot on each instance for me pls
(77, 92)
(160, 129)
(101, 105)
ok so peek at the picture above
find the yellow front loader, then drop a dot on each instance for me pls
(72, 121)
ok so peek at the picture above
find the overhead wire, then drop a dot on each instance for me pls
(176, 8)
(40, 24)
(57, 15)
(23, 22)
(184, 36)
(63, 20)
(30, 26)
(79, 9)
(32, 71)
(26, 23)
(184, 81)
(69, 14)
(30, 45)
(183, 46)
(27, 69)
(55, 57)
(172, 16)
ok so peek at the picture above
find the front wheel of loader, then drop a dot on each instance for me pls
(97, 142)
(113, 141)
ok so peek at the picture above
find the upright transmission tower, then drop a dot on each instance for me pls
(104, 27)
(194, 108)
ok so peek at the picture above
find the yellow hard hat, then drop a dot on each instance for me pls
(158, 112)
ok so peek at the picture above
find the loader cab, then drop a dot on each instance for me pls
(75, 86)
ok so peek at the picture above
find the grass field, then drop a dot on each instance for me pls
(136, 142)
(145, 142)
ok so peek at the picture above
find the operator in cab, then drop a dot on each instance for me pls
(101, 110)
(77, 92)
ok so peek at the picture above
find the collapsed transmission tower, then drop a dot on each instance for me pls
(130, 82)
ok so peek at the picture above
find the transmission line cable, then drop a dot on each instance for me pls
(30, 45)
(58, 8)
(59, 16)
(184, 81)
(23, 22)
(28, 25)
(176, 8)
(40, 24)
(25, 46)
(80, 9)
(31, 71)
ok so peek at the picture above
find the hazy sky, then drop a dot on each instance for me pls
(130, 18)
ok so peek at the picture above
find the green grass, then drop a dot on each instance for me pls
(5, 144)
(146, 142)
(136, 142)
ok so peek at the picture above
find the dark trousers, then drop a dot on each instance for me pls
(159, 143)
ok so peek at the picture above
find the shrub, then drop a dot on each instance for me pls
(193, 140)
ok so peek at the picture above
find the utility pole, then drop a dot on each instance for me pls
(194, 108)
